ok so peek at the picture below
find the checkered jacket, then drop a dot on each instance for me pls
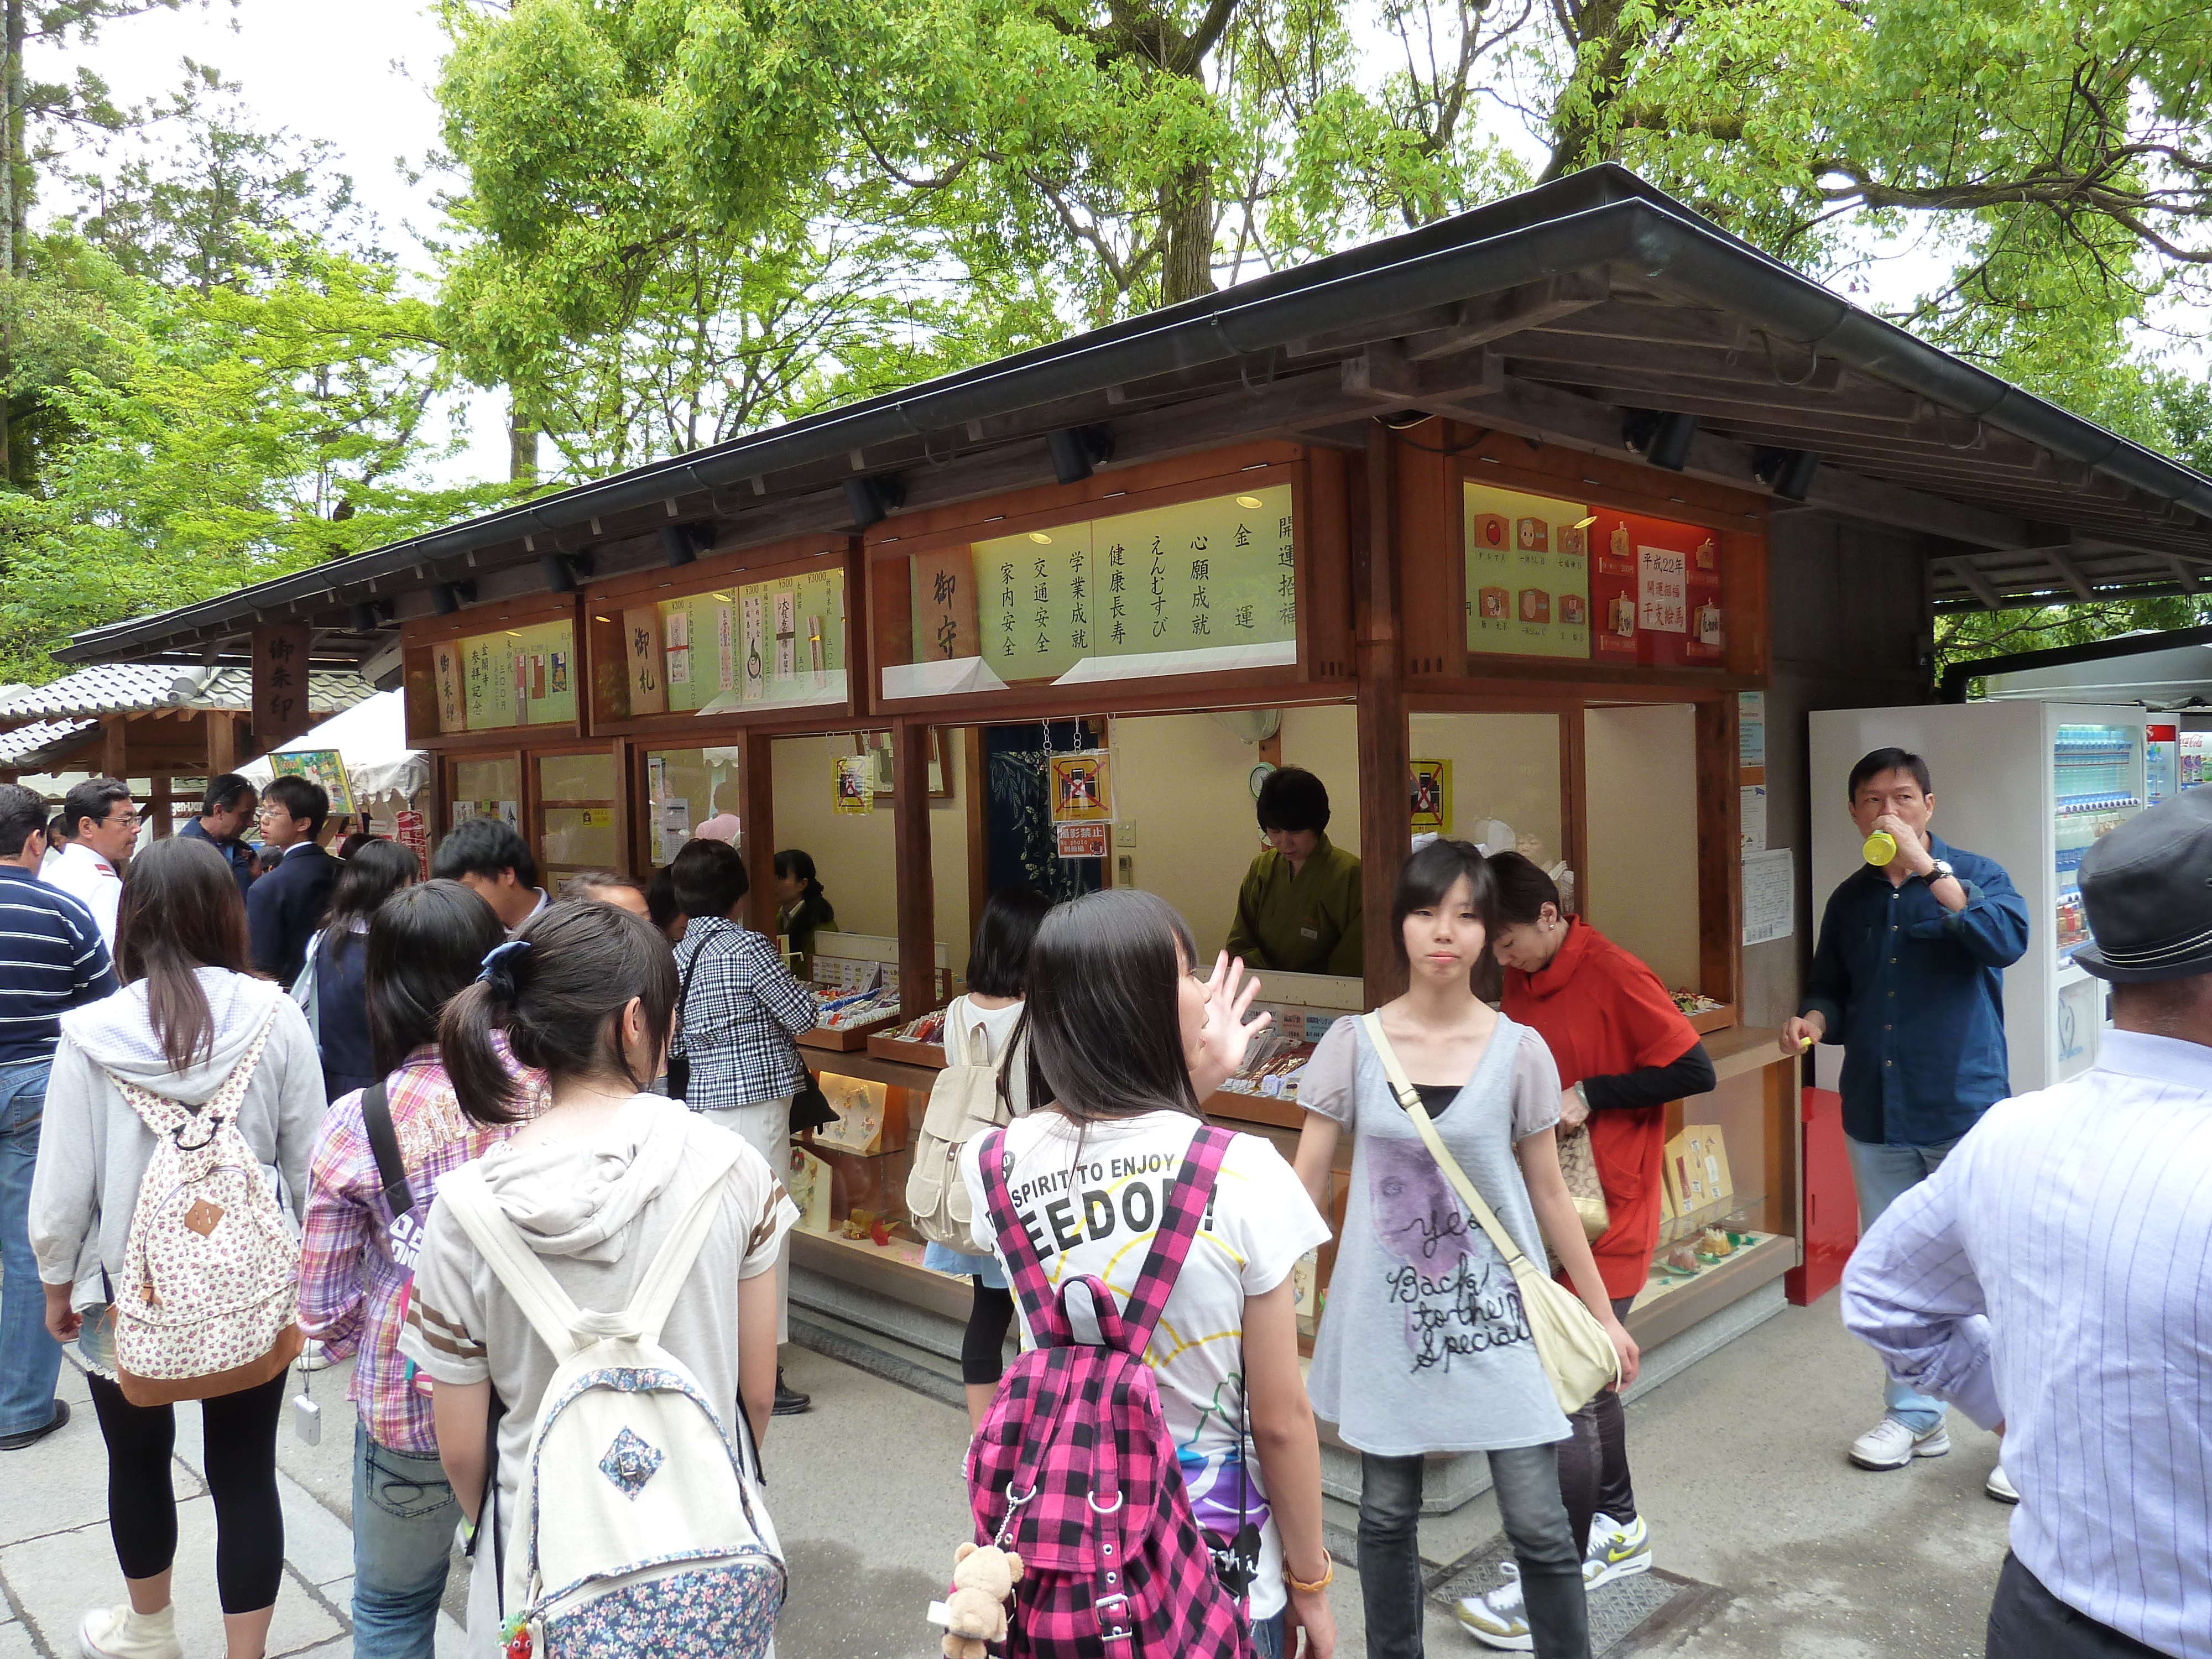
(1074, 1469)
(740, 1012)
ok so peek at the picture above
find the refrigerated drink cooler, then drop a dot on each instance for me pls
(2032, 785)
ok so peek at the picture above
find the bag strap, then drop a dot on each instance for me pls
(657, 1291)
(683, 996)
(384, 1145)
(1048, 1324)
(551, 1311)
(1185, 1209)
(1410, 1098)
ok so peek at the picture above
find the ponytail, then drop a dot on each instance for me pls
(558, 990)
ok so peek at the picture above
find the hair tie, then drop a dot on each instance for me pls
(497, 970)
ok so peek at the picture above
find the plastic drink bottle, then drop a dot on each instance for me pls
(1880, 848)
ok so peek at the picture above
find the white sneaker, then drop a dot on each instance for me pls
(1615, 1551)
(1999, 1486)
(119, 1633)
(314, 1357)
(1499, 1620)
(1890, 1445)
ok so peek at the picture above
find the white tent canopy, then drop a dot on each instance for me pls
(371, 738)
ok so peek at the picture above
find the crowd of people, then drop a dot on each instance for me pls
(510, 1126)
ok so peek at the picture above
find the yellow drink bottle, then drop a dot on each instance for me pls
(1880, 848)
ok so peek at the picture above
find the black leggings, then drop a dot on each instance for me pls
(239, 1446)
(1593, 1464)
(983, 1349)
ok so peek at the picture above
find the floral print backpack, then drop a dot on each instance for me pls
(209, 1300)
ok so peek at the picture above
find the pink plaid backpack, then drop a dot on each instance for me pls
(1073, 1469)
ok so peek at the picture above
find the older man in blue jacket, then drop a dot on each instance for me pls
(1909, 976)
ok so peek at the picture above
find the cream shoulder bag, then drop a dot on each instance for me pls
(1578, 1356)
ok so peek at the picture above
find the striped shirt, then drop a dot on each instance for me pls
(51, 957)
(2056, 1275)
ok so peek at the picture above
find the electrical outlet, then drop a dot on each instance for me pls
(1125, 835)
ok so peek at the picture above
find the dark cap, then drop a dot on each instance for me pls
(2146, 891)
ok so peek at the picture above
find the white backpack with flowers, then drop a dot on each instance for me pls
(209, 1302)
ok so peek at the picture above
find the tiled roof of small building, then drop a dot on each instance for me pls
(127, 688)
(29, 748)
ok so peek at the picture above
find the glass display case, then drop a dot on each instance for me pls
(2097, 784)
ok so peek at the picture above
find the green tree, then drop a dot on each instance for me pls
(247, 434)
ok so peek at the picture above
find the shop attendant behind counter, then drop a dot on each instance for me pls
(1299, 910)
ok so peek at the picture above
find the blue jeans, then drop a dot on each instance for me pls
(1268, 1638)
(30, 1360)
(404, 1516)
(1882, 1174)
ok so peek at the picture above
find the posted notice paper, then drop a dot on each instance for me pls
(1770, 892)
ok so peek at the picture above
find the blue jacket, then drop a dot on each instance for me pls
(1916, 994)
(342, 1014)
(285, 907)
(235, 853)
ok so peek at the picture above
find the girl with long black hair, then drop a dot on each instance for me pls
(190, 1015)
(1124, 1040)
(372, 873)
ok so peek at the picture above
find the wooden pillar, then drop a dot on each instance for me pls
(280, 686)
(222, 743)
(757, 828)
(1720, 856)
(1574, 803)
(162, 805)
(917, 881)
(976, 782)
(1386, 812)
(115, 746)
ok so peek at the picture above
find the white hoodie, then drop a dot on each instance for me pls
(595, 1211)
(93, 1150)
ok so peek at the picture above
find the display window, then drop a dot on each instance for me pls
(578, 813)
(1205, 565)
(683, 789)
(1553, 578)
(764, 633)
(483, 785)
(508, 676)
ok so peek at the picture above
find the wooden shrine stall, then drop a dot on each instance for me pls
(164, 729)
(1542, 526)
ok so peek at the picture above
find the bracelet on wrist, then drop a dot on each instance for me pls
(1328, 1575)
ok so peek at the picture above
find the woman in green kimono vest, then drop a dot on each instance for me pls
(1298, 911)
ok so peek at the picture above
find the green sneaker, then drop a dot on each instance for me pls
(1499, 1620)
(1615, 1551)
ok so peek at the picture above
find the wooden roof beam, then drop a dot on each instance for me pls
(2061, 560)
(1977, 584)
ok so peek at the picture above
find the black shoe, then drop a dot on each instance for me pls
(789, 1402)
(32, 1437)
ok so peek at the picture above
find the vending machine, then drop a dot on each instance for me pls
(2033, 785)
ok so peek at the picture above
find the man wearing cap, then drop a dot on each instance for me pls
(1909, 976)
(2051, 1280)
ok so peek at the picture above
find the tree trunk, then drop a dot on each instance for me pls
(1187, 227)
(13, 188)
(521, 446)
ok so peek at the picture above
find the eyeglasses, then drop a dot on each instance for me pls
(128, 821)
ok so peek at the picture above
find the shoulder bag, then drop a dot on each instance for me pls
(679, 1059)
(1579, 1358)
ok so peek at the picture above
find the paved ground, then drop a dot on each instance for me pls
(1739, 1470)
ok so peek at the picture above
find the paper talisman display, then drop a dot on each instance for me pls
(855, 781)
(323, 766)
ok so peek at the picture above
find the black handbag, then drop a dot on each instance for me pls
(679, 1062)
(811, 1108)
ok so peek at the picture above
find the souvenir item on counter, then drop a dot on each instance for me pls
(974, 1612)
(1713, 1242)
(1683, 1259)
(808, 1182)
(1707, 1151)
(859, 1105)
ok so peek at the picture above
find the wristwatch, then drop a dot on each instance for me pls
(1938, 869)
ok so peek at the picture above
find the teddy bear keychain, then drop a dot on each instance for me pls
(974, 1612)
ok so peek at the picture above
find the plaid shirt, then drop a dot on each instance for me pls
(738, 1018)
(353, 1291)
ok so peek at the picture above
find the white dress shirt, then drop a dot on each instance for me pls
(90, 880)
(2056, 1274)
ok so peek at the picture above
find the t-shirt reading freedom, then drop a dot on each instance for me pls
(1425, 1345)
(1098, 1215)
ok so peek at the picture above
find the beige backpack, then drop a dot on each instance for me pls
(209, 1302)
(963, 1104)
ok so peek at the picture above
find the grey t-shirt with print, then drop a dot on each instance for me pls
(1424, 1346)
